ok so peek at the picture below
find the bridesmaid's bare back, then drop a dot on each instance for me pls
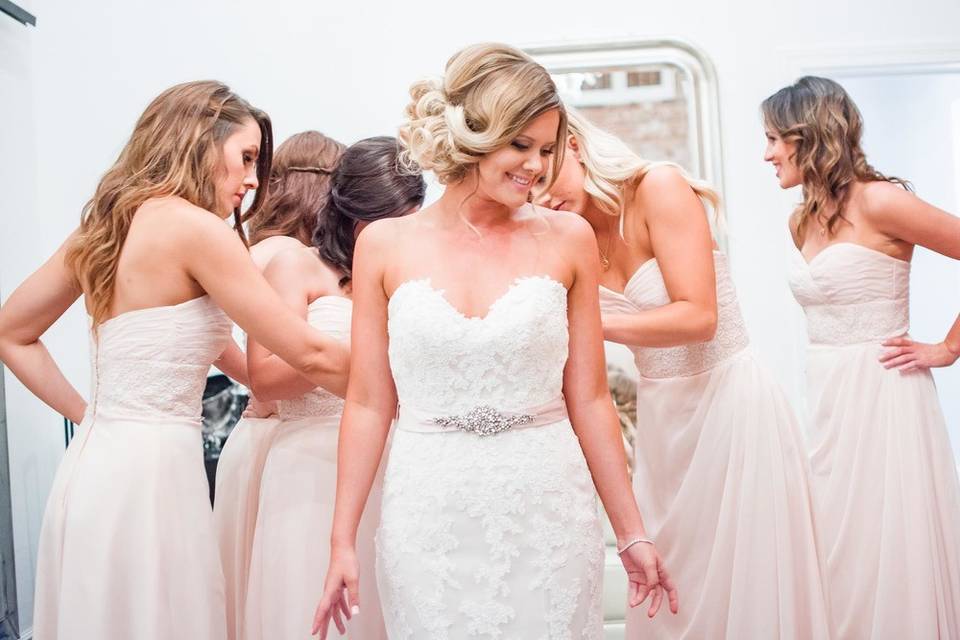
(152, 269)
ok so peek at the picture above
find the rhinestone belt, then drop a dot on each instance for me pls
(482, 420)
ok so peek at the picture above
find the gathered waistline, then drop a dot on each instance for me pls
(691, 371)
(324, 421)
(482, 420)
(99, 416)
(826, 346)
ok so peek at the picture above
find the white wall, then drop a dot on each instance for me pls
(82, 77)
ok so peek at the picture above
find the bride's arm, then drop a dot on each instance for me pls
(370, 406)
(681, 241)
(595, 420)
(29, 311)
(903, 216)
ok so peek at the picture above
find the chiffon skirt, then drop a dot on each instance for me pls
(127, 548)
(886, 488)
(235, 508)
(722, 481)
(291, 546)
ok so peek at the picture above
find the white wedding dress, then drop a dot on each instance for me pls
(486, 536)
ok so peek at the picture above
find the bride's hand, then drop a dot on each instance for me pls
(647, 575)
(341, 594)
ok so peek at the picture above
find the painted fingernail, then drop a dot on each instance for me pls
(355, 609)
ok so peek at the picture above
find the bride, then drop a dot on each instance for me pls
(480, 316)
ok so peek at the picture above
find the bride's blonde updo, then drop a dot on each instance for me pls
(489, 93)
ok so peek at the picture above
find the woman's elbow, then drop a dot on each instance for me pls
(7, 346)
(705, 327)
(262, 388)
(329, 361)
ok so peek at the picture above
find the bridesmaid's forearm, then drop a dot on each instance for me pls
(233, 363)
(33, 366)
(272, 379)
(671, 325)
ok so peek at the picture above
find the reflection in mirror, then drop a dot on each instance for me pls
(647, 107)
(659, 96)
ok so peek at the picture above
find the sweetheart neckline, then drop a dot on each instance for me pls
(864, 247)
(441, 293)
(642, 266)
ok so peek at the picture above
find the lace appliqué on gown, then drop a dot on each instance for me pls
(495, 537)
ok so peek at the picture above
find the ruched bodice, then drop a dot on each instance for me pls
(852, 294)
(511, 358)
(154, 362)
(330, 314)
(646, 290)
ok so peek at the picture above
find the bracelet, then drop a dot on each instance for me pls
(633, 542)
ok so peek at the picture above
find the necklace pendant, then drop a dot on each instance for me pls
(604, 262)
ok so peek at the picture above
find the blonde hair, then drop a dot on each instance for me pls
(175, 150)
(488, 94)
(609, 164)
(819, 118)
(300, 182)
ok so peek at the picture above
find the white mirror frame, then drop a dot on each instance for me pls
(705, 109)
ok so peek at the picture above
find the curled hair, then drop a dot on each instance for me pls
(609, 164)
(175, 150)
(367, 185)
(299, 186)
(489, 93)
(818, 117)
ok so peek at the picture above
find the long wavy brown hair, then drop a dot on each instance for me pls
(175, 150)
(299, 187)
(819, 118)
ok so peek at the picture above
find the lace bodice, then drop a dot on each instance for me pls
(330, 314)
(511, 359)
(154, 362)
(646, 290)
(852, 294)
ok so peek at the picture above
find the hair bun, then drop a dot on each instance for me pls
(488, 94)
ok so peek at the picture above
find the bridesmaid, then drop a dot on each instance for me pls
(127, 545)
(720, 469)
(299, 477)
(884, 478)
(299, 186)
